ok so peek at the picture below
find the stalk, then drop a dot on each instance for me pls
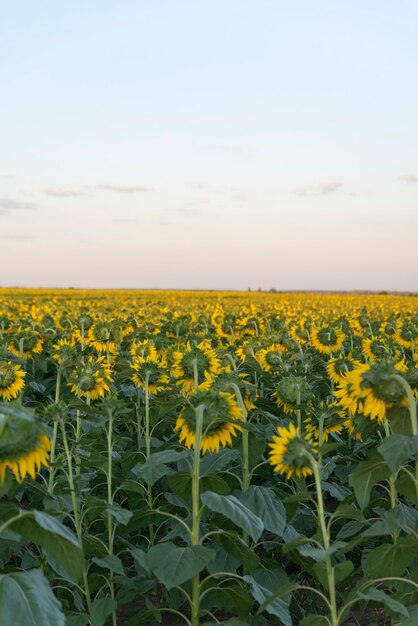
(325, 540)
(195, 534)
(110, 536)
(54, 435)
(148, 449)
(77, 521)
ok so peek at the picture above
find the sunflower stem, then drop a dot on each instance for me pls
(195, 535)
(54, 435)
(325, 539)
(148, 448)
(245, 464)
(110, 503)
(77, 521)
(392, 477)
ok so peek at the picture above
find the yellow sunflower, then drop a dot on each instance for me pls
(91, 379)
(220, 420)
(327, 339)
(288, 454)
(11, 380)
(26, 343)
(150, 368)
(197, 365)
(24, 446)
(338, 368)
(271, 358)
(369, 389)
(328, 418)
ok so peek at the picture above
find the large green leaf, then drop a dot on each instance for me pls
(155, 467)
(341, 571)
(391, 560)
(101, 609)
(234, 510)
(236, 547)
(264, 503)
(271, 590)
(397, 449)
(377, 595)
(365, 476)
(55, 538)
(27, 600)
(173, 565)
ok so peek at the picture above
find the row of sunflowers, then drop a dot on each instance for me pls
(208, 458)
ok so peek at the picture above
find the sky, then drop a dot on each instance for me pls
(209, 144)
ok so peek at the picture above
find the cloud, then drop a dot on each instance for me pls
(124, 188)
(323, 189)
(62, 192)
(7, 177)
(409, 179)
(8, 204)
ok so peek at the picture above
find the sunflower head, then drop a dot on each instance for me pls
(290, 452)
(150, 371)
(327, 339)
(24, 445)
(12, 380)
(221, 416)
(327, 418)
(291, 392)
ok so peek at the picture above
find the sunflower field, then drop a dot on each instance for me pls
(217, 458)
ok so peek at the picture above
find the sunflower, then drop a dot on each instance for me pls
(201, 362)
(91, 379)
(292, 391)
(64, 351)
(288, 453)
(25, 344)
(327, 417)
(327, 339)
(371, 390)
(374, 349)
(271, 358)
(24, 446)
(101, 337)
(220, 416)
(143, 350)
(338, 368)
(152, 368)
(11, 380)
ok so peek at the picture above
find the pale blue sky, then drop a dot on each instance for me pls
(209, 144)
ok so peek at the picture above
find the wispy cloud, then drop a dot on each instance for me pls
(62, 192)
(9, 204)
(409, 178)
(125, 188)
(323, 189)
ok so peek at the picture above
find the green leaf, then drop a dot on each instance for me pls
(264, 503)
(320, 554)
(341, 571)
(155, 467)
(181, 485)
(120, 514)
(314, 620)
(235, 511)
(396, 449)
(232, 597)
(236, 547)
(365, 476)
(101, 609)
(55, 538)
(377, 595)
(274, 602)
(27, 600)
(215, 483)
(110, 562)
(173, 565)
(140, 559)
(392, 560)
(347, 511)
(406, 485)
